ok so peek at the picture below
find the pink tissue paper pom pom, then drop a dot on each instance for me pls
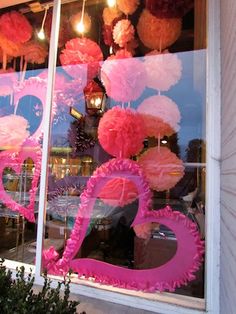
(15, 27)
(121, 132)
(123, 32)
(124, 79)
(13, 131)
(80, 58)
(158, 33)
(169, 8)
(8, 78)
(162, 168)
(163, 70)
(144, 231)
(109, 14)
(128, 6)
(34, 52)
(161, 116)
(118, 192)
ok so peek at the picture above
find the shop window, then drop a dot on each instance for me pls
(127, 149)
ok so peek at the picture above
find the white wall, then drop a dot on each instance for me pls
(228, 171)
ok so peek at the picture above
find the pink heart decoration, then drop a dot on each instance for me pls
(177, 271)
(15, 160)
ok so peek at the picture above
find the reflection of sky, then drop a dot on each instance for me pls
(188, 93)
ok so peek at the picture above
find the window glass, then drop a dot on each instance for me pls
(126, 181)
(23, 56)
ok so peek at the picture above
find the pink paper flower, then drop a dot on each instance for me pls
(15, 27)
(162, 168)
(124, 79)
(121, 132)
(163, 70)
(160, 115)
(123, 32)
(158, 33)
(118, 192)
(13, 131)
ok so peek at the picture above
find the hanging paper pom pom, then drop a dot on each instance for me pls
(13, 131)
(144, 231)
(9, 47)
(158, 33)
(120, 54)
(118, 192)
(123, 32)
(15, 27)
(81, 58)
(34, 52)
(170, 8)
(163, 70)
(109, 14)
(128, 6)
(76, 18)
(78, 139)
(162, 168)
(161, 116)
(121, 132)
(8, 79)
(125, 79)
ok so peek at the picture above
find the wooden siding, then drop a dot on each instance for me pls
(228, 168)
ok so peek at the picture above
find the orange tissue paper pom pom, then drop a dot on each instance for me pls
(128, 6)
(162, 168)
(156, 33)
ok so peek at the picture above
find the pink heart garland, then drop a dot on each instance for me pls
(15, 160)
(177, 271)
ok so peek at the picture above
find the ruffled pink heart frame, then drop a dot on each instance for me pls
(177, 271)
(15, 160)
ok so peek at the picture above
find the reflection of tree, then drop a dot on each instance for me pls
(196, 151)
(79, 140)
(193, 179)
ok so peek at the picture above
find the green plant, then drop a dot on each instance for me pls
(17, 294)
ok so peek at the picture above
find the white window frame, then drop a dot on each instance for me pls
(162, 303)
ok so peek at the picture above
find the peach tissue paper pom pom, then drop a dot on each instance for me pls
(121, 132)
(109, 14)
(161, 116)
(15, 27)
(13, 131)
(118, 192)
(124, 79)
(9, 47)
(123, 32)
(162, 168)
(34, 52)
(158, 33)
(80, 58)
(163, 70)
(144, 231)
(128, 6)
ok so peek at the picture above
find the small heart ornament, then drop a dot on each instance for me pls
(176, 272)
